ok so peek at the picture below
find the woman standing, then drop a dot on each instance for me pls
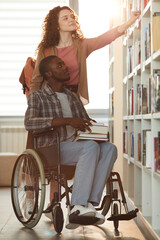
(63, 36)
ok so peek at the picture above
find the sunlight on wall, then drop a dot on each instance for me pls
(94, 19)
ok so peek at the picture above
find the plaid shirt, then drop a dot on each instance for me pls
(44, 106)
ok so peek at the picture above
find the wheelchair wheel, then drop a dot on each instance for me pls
(115, 212)
(28, 188)
(107, 199)
(58, 219)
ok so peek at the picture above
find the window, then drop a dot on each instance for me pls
(20, 31)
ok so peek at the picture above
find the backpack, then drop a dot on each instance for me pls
(27, 72)
(26, 75)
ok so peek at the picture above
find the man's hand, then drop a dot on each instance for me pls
(80, 124)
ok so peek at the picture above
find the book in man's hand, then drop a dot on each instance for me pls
(99, 132)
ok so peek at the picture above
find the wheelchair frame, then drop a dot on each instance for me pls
(29, 178)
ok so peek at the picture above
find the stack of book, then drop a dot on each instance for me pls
(99, 132)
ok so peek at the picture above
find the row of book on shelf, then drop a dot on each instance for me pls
(147, 98)
(136, 5)
(155, 35)
(144, 152)
(134, 50)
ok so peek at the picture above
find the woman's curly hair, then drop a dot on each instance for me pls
(50, 34)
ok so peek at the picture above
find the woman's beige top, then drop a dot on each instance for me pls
(83, 48)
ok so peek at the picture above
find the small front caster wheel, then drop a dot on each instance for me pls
(115, 222)
(58, 219)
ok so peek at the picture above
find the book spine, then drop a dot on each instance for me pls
(148, 150)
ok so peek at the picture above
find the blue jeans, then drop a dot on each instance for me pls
(94, 162)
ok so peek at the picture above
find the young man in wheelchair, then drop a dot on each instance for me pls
(56, 106)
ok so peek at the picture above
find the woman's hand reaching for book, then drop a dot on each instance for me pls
(134, 16)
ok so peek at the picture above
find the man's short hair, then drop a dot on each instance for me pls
(45, 64)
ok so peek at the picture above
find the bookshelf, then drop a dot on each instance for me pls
(141, 110)
(111, 92)
(115, 93)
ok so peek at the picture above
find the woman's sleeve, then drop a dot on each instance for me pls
(37, 79)
(102, 40)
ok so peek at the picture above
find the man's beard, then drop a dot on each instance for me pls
(60, 79)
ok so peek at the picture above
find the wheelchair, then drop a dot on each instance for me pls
(33, 171)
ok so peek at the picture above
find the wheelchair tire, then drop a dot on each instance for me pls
(115, 212)
(28, 188)
(58, 219)
(107, 202)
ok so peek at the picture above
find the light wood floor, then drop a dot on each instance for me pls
(12, 229)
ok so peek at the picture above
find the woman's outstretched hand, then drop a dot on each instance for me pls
(134, 16)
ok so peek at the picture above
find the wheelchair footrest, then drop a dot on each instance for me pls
(82, 220)
(128, 216)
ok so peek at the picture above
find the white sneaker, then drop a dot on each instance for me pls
(83, 211)
(28, 206)
(101, 218)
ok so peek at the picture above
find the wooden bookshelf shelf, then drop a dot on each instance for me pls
(138, 164)
(131, 160)
(146, 11)
(137, 69)
(125, 156)
(156, 115)
(156, 56)
(111, 61)
(138, 116)
(147, 116)
(147, 170)
(130, 76)
(141, 111)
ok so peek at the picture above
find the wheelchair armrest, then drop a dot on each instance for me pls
(46, 131)
(43, 132)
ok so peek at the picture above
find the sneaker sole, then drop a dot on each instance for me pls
(100, 221)
(72, 226)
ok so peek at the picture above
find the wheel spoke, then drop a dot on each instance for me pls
(28, 189)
